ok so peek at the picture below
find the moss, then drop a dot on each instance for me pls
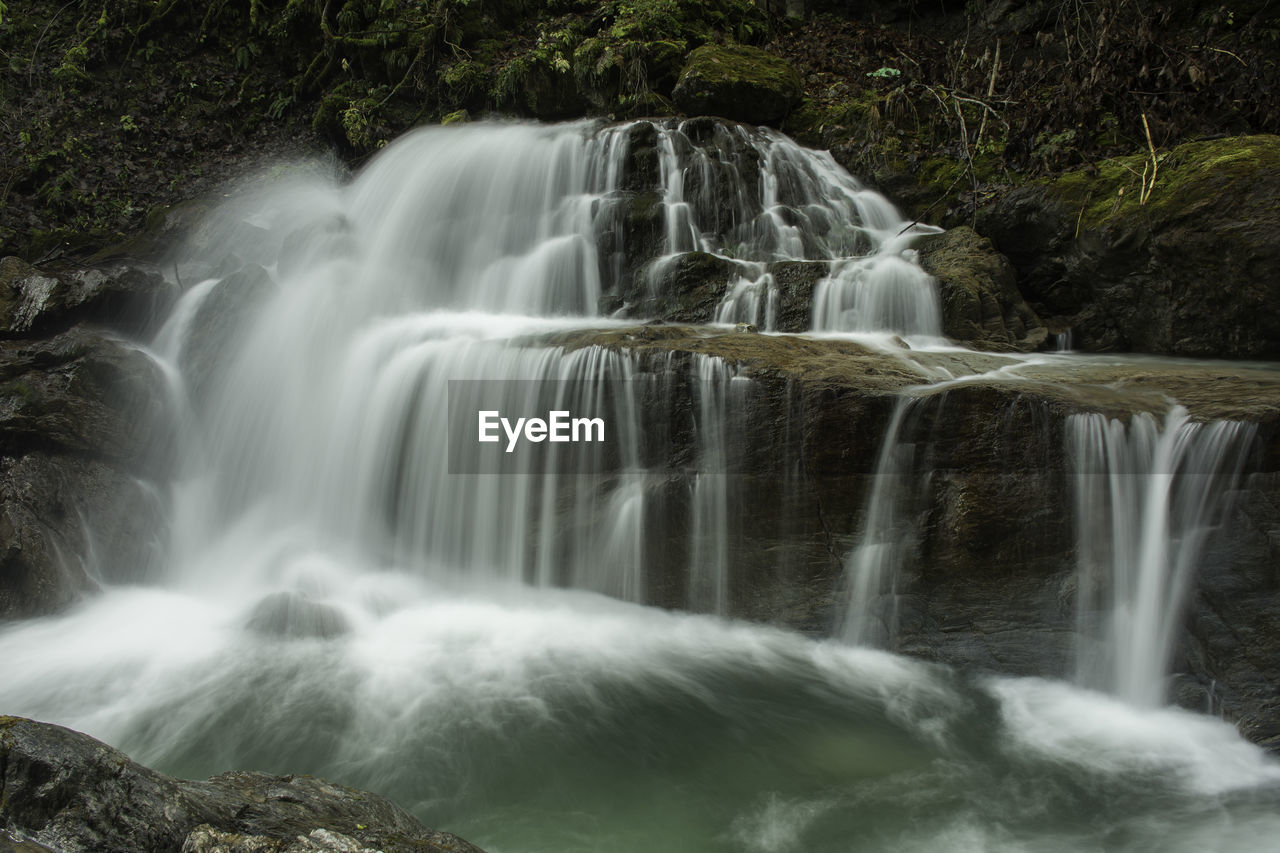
(742, 64)
(1188, 176)
(456, 117)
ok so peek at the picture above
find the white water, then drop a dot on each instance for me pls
(807, 207)
(886, 538)
(1147, 495)
(337, 602)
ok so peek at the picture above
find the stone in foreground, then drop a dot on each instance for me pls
(68, 792)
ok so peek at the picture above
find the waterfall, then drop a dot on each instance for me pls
(390, 602)
(720, 406)
(886, 539)
(755, 196)
(1147, 495)
(331, 318)
(884, 291)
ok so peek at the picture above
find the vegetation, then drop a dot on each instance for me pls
(112, 110)
(1006, 90)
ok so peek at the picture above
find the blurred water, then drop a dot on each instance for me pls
(339, 603)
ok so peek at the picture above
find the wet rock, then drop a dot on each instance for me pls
(988, 559)
(684, 288)
(217, 329)
(68, 524)
(165, 227)
(72, 793)
(1180, 267)
(129, 297)
(738, 82)
(981, 305)
(795, 282)
(80, 425)
(80, 392)
(292, 614)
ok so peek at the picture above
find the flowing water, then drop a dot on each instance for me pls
(1146, 499)
(346, 595)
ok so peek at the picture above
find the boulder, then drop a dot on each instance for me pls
(981, 305)
(80, 392)
(81, 423)
(68, 523)
(1181, 264)
(69, 792)
(129, 297)
(738, 82)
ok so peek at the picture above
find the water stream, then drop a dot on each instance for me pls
(345, 596)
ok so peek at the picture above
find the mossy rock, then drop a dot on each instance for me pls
(1178, 266)
(737, 82)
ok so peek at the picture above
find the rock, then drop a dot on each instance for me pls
(80, 420)
(80, 392)
(165, 227)
(988, 571)
(129, 297)
(217, 329)
(293, 614)
(10, 843)
(72, 793)
(1185, 273)
(68, 523)
(737, 82)
(795, 281)
(981, 305)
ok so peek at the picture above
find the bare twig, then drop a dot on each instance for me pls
(968, 156)
(1155, 164)
(991, 90)
(1227, 52)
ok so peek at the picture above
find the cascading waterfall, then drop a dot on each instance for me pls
(720, 403)
(886, 538)
(385, 613)
(805, 208)
(1147, 495)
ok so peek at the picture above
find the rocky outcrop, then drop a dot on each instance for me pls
(1176, 264)
(121, 296)
(981, 305)
(987, 577)
(80, 431)
(66, 791)
(738, 82)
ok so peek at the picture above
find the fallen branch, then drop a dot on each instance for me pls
(1155, 165)
(991, 90)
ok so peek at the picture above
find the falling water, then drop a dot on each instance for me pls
(886, 537)
(388, 615)
(805, 208)
(1147, 496)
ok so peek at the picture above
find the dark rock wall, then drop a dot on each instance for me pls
(82, 441)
